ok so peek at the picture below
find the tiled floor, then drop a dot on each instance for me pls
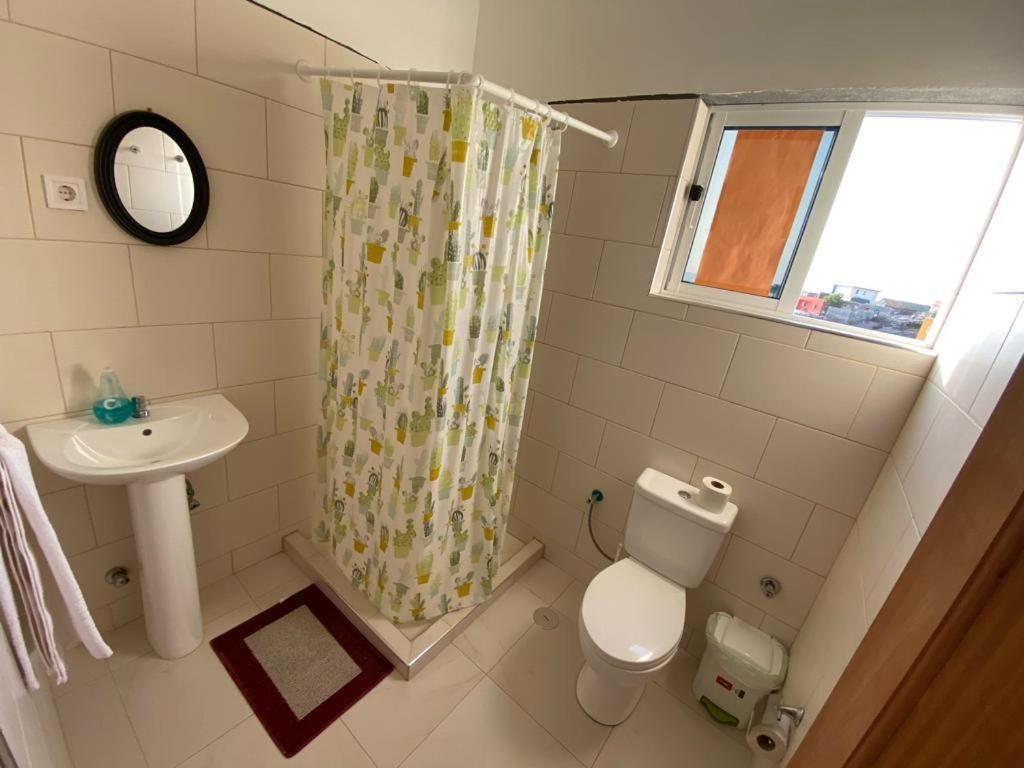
(501, 695)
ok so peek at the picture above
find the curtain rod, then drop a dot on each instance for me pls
(497, 92)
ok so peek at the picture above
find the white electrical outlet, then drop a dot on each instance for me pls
(66, 193)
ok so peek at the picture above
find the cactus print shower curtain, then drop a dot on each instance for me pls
(436, 222)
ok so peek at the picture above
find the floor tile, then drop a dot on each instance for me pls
(249, 745)
(128, 642)
(221, 598)
(568, 603)
(676, 677)
(281, 591)
(82, 669)
(179, 706)
(493, 632)
(413, 629)
(664, 733)
(267, 574)
(397, 715)
(546, 580)
(489, 730)
(540, 674)
(96, 727)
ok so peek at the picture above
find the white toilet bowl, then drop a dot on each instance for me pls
(631, 622)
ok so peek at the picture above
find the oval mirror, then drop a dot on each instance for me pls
(151, 178)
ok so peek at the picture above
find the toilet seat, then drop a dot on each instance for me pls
(632, 617)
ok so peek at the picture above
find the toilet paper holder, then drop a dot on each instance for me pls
(796, 714)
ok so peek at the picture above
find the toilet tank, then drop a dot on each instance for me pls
(670, 533)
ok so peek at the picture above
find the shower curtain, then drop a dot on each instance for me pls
(436, 223)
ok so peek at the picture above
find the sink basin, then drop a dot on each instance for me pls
(151, 456)
(174, 439)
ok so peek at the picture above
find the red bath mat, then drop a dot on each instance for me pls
(300, 664)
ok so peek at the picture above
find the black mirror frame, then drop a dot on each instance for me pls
(103, 170)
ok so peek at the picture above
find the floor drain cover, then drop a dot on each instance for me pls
(545, 618)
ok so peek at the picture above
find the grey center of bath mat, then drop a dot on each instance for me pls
(302, 659)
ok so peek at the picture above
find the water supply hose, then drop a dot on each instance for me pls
(596, 495)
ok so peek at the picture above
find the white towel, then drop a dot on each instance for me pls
(20, 503)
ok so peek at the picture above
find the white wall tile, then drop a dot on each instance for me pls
(885, 408)
(780, 630)
(626, 454)
(816, 390)
(53, 87)
(261, 464)
(715, 429)
(58, 159)
(769, 330)
(591, 329)
(616, 207)
(607, 537)
(228, 33)
(298, 500)
(90, 569)
(880, 524)
(625, 279)
(15, 214)
(706, 599)
(657, 136)
(258, 215)
(65, 285)
(969, 342)
(572, 265)
(937, 464)
(573, 482)
(769, 517)
(890, 574)
(563, 197)
(822, 540)
(916, 427)
(741, 572)
(227, 126)
(185, 285)
(29, 386)
(616, 394)
(298, 402)
(584, 153)
(210, 484)
(999, 374)
(156, 361)
(693, 356)
(569, 429)
(165, 32)
(536, 462)
(69, 515)
(553, 519)
(295, 285)
(553, 371)
(110, 513)
(221, 529)
(256, 402)
(872, 352)
(295, 146)
(830, 470)
(264, 350)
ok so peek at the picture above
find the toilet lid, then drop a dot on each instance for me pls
(633, 615)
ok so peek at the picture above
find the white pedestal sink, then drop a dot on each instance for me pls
(151, 456)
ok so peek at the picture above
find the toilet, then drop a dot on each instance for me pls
(632, 615)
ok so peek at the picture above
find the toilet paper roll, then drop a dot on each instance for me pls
(714, 494)
(768, 734)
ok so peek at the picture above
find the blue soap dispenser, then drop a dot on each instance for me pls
(113, 406)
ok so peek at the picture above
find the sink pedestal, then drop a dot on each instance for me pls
(170, 592)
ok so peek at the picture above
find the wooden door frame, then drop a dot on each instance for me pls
(975, 537)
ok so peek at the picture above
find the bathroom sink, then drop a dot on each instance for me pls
(174, 439)
(150, 456)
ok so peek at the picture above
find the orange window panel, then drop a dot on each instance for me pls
(760, 197)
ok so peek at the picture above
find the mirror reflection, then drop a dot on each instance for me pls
(153, 179)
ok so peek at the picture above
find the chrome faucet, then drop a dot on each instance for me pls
(141, 407)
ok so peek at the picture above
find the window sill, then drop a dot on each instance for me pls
(822, 326)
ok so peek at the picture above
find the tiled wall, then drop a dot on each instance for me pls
(978, 350)
(799, 422)
(234, 310)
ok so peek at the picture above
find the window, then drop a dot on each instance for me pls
(863, 220)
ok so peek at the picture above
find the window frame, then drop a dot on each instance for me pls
(705, 135)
